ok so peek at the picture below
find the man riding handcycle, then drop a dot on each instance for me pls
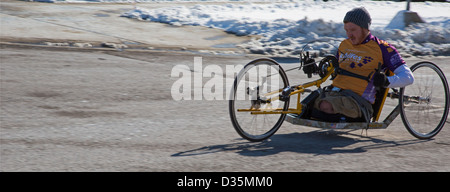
(362, 71)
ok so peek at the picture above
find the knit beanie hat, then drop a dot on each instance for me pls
(359, 16)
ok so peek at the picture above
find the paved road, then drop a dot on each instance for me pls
(105, 110)
(40, 23)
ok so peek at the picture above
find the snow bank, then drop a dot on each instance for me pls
(148, 1)
(286, 27)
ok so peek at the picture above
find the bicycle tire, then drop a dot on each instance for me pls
(432, 109)
(239, 123)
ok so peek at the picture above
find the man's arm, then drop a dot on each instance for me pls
(402, 77)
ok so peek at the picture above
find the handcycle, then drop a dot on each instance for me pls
(261, 96)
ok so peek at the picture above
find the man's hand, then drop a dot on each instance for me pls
(380, 79)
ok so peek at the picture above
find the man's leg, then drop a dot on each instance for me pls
(326, 107)
(334, 103)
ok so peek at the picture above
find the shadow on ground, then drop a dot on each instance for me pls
(315, 142)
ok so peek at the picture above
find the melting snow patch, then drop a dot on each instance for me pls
(286, 27)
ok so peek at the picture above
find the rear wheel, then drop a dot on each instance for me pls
(250, 93)
(425, 104)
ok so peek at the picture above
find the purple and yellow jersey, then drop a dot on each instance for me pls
(363, 60)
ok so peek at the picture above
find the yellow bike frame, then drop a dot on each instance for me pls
(292, 113)
(299, 89)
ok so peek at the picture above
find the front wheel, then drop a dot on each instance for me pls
(424, 105)
(255, 89)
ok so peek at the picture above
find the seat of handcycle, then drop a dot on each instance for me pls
(325, 117)
(316, 118)
(315, 114)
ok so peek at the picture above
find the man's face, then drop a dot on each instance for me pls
(355, 33)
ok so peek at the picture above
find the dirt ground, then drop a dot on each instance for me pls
(103, 109)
